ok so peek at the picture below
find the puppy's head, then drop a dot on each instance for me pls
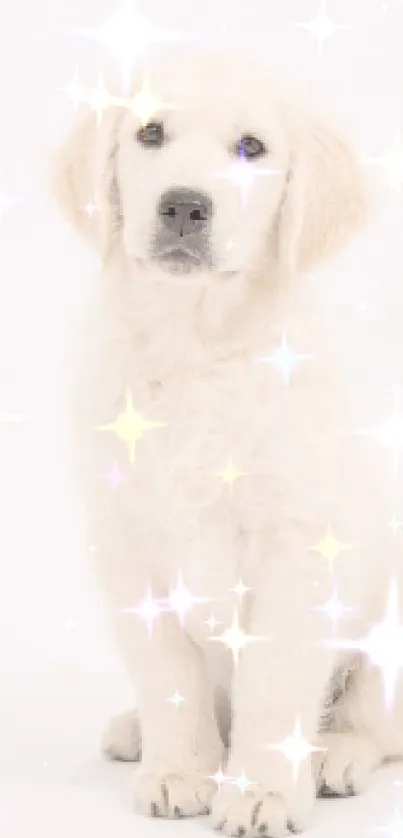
(225, 171)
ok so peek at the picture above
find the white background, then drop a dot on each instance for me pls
(59, 677)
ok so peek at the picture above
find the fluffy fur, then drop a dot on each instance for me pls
(190, 348)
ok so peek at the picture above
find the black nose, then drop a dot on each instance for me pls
(185, 211)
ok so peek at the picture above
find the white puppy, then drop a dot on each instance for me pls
(212, 206)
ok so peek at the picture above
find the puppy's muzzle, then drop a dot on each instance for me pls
(183, 238)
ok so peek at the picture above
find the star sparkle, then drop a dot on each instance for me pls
(212, 623)
(330, 548)
(127, 35)
(181, 600)
(322, 26)
(219, 777)
(235, 639)
(285, 359)
(176, 699)
(383, 644)
(115, 477)
(148, 611)
(242, 782)
(242, 174)
(230, 474)
(334, 609)
(240, 589)
(130, 426)
(395, 525)
(90, 208)
(295, 748)
(7, 201)
(391, 161)
(390, 433)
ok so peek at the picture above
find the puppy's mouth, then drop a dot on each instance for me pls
(181, 259)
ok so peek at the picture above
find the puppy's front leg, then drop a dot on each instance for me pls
(279, 684)
(181, 746)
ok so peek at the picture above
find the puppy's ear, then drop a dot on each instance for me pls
(84, 173)
(325, 199)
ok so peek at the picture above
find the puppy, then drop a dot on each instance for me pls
(213, 209)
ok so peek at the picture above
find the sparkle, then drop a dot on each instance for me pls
(130, 426)
(234, 638)
(390, 433)
(230, 474)
(285, 359)
(115, 478)
(295, 748)
(330, 548)
(243, 783)
(394, 829)
(243, 174)
(240, 589)
(392, 163)
(395, 525)
(383, 644)
(76, 91)
(7, 201)
(219, 777)
(145, 103)
(334, 609)
(7, 418)
(90, 208)
(70, 624)
(180, 600)
(127, 35)
(148, 611)
(212, 623)
(99, 99)
(322, 26)
(176, 699)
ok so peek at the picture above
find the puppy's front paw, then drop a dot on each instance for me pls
(343, 767)
(257, 813)
(172, 793)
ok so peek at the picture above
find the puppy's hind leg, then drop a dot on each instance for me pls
(360, 734)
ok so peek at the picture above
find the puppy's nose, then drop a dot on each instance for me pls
(185, 211)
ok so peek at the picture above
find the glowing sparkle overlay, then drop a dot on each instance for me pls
(334, 609)
(295, 748)
(127, 35)
(130, 426)
(391, 161)
(390, 433)
(144, 104)
(322, 26)
(285, 359)
(330, 548)
(235, 639)
(243, 174)
(383, 645)
(230, 474)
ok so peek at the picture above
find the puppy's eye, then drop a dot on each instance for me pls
(151, 135)
(250, 147)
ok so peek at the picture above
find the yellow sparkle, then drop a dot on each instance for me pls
(145, 103)
(130, 426)
(229, 474)
(234, 638)
(330, 548)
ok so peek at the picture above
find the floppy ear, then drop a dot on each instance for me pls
(325, 199)
(84, 173)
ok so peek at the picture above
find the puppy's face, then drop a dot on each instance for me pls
(227, 173)
(201, 180)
